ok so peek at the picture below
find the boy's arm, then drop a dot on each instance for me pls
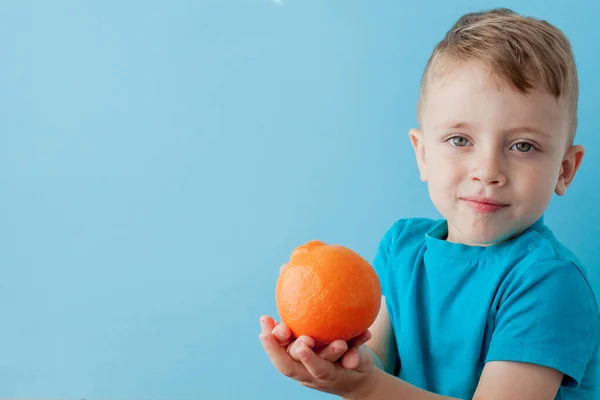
(500, 380)
(382, 344)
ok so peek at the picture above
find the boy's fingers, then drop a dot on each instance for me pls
(357, 358)
(283, 333)
(319, 368)
(333, 351)
(266, 324)
(282, 360)
(295, 346)
(351, 359)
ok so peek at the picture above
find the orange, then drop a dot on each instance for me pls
(327, 292)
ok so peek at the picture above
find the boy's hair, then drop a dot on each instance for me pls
(522, 52)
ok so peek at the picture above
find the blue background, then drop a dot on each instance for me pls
(160, 160)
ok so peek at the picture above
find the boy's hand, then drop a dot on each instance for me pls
(332, 352)
(341, 368)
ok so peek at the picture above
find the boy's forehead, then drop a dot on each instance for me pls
(469, 92)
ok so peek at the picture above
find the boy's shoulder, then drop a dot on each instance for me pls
(547, 254)
(543, 247)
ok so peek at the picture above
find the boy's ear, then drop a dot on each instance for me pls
(416, 138)
(568, 168)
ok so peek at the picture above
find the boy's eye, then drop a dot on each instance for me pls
(459, 141)
(524, 147)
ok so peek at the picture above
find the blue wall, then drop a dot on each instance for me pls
(160, 160)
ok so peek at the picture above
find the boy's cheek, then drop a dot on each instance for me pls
(443, 172)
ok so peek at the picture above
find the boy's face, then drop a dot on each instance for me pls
(492, 157)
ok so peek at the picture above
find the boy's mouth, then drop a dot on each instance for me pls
(484, 204)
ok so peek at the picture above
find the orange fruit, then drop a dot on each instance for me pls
(327, 292)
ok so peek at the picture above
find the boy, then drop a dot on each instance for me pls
(485, 303)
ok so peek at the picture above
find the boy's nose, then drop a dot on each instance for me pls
(488, 170)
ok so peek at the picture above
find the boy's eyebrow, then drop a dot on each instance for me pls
(527, 129)
(518, 129)
(454, 125)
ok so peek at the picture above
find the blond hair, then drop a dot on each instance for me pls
(522, 52)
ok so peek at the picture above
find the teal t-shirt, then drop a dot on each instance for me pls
(455, 307)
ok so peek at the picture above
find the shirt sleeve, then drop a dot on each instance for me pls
(384, 254)
(548, 316)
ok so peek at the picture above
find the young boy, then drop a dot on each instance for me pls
(485, 303)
